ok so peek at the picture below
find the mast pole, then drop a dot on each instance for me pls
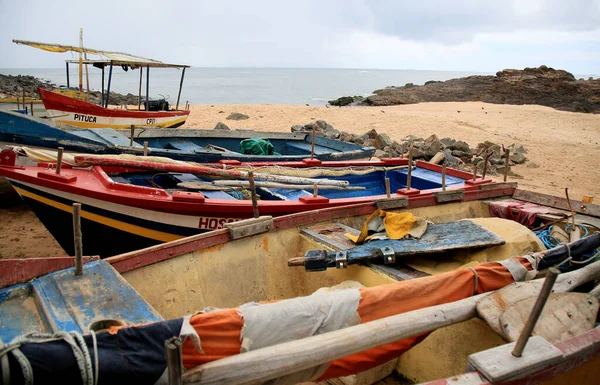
(147, 86)
(140, 90)
(180, 86)
(87, 74)
(103, 84)
(108, 86)
(68, 82)
(80, 61)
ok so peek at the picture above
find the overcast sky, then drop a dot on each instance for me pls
(470, 35)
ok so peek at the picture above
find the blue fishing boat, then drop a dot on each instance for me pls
(188, 145)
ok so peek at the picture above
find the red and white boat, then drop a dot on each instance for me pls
(79, 113)
(137, 203)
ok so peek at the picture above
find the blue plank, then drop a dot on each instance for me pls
(73, 302)
(19, 313)
(438, 238)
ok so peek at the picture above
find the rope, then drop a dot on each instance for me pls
(476, 279)
(75, 340)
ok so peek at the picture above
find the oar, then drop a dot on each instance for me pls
(100, 160)
(276, 361)
(241, 183)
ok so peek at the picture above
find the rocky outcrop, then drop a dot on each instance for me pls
(221, 126)
(544, 86)
(448, 151)
(14, 86)
(346, 101)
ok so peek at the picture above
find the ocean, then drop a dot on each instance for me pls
(297, 86)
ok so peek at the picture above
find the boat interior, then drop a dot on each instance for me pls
(367, 181)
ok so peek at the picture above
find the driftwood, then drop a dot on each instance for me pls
(100, 160)
(272, 362)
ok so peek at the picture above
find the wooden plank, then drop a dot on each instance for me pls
(195, 133)
(392, 203)
(449, 195)
(498, 364)
(248, 227)
(557, 202)
(565, 315)
(22, 270)
(438, 238)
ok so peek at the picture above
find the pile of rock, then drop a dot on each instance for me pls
(451, 152)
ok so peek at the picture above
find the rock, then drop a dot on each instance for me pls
(418, 153)
(237, 116)
(458, 146)
(368, 143)
(431, 139)
(372, 134)
(461, 154)
(348, 137)
(221, 126)
(298, 128)
(450, 160)
(432, 148)
(517, 153)
(342, 101)
(400, 148)
(382, 140)
(532, 165)
(381, 154)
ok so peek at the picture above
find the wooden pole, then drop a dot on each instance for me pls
(474, 171)
(410, 162)
(59, 157)
(387, 187)
(444, 178)
(145, 148)
(147, 87)
(253, 193)
(180, 87)
(315, 190)
(174, 361)
(244, 184)
(506, 160)
(77, 238)
(80, 61)
(140, 90)
(536, 311)
(131, 135)
(87, 75)
(312, 147)
(110, 70)
(103, 84)
(31, 107)
(68, 76)
(261, 365)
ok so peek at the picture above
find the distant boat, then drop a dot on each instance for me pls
(79, 113)
(76, 110)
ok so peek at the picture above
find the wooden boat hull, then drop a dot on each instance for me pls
(188, 145)
(78, 113)
(214, 270)
(138, 216)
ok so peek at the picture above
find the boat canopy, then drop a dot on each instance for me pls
(116, 58)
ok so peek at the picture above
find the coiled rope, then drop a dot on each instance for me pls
(87, 370)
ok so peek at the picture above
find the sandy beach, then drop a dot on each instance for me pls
(562, 146)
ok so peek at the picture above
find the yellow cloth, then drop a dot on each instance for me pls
(396, 225)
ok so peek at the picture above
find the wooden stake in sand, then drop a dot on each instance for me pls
(410, 164)
(506, 160)
(77, 238)
(312, 147)
(145, 148)
(131, 135)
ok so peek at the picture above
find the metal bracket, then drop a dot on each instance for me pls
(341, 259)
(248, 227)
(389, 256)
(392, 203)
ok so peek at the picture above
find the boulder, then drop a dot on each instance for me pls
(221, 126)
(381, 154)
(372, 133)
(237, 116)
(458, 146)
(298, 128)
(517, 153)
(382, 140)
(432, 148)
(450, 160)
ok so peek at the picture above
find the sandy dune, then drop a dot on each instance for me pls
(563, 147)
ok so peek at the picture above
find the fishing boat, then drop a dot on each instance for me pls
(141, 201)
(426, 315)
(80, 113)
(189, 145)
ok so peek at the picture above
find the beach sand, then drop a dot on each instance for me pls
(562, 147)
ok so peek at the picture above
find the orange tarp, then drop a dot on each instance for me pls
(220, 332)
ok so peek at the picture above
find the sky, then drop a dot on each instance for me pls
(448, 35)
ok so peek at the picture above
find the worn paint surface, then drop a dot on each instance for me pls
(61, 301)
